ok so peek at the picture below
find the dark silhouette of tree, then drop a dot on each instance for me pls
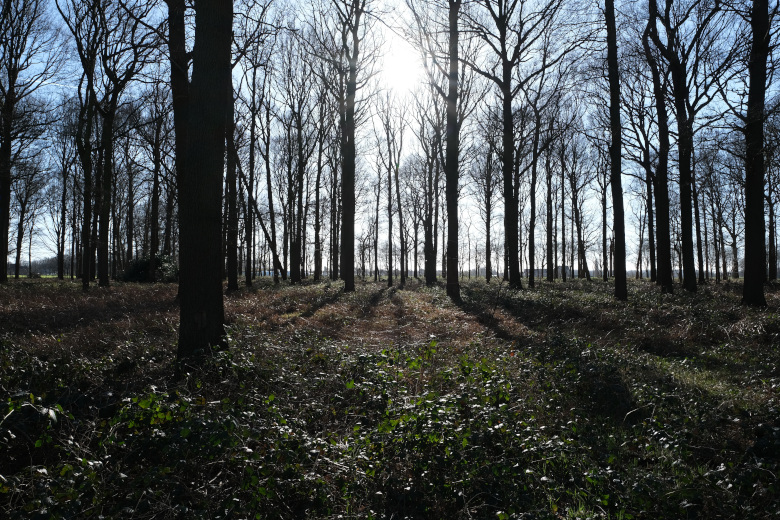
(618, 224)
(84, 24)
(512, 31)
(30, 56)
(126, 48)
(200, 188)
(755, 252)
(662, 215)
(352, 25)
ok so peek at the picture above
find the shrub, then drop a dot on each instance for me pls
(166, 270)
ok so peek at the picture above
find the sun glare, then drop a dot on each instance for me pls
(402, 68)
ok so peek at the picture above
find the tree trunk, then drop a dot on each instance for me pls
(348, 166)
(202, 313)
(155, 202)
(755, 252)
(650, 224)
(106, 182)
(772, 237)
(5, 177)
(83, 145)
(621, 287)
(663, 227)
(231, 231)
(389, 228)
(511, 231)
(453, 145)
(550, 259)
(63, 225)
(697, 220)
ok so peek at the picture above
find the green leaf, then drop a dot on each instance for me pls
(185, 432)
(350, 385)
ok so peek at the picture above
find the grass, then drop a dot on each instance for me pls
(556, 402)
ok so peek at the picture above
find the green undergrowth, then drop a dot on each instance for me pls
(590, 413)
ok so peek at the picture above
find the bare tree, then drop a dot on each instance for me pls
(512, 31)
(30, 57)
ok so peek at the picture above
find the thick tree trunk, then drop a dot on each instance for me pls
(453, 145)
(685, 149)
(348, 166)
(200, 192)
(755, 252)
(621, 287)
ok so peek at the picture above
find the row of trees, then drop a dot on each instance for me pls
(263, 137)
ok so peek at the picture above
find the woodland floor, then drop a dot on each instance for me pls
(554, 402)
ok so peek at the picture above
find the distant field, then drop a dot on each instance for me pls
(556, 402)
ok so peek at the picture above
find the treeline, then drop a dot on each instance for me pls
(544, 134)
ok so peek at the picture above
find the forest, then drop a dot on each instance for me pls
(389, 258)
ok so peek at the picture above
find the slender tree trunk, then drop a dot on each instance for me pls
(663, 227)
(453, 145)
(650, 224)
(402, 256)
(19, 240)
(563, 216)
(84, 148)
(550, 260)
(155, 202)
(706, 240)
(510, 201)
(772, 237)
(231, 231)
(532, 194)
(715, 241)
(488, 216)
(63, 225)
(697, 219)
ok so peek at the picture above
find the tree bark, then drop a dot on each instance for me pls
(621, 287)
(663, 227)
(200, 192)
(453, 145)
(755, 253)
(231, 232)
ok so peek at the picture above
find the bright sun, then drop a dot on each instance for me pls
(402, 68)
